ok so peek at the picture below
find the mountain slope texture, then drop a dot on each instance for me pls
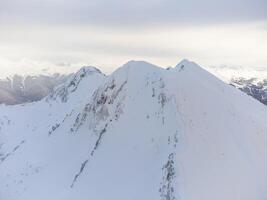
(142, 132)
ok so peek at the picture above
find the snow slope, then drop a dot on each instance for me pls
(142, 132)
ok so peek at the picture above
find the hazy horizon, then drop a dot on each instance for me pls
(40, 36)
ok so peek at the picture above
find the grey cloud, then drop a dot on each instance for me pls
(125, 12)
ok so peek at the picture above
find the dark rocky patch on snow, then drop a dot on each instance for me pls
(5, 156)
(166, 190)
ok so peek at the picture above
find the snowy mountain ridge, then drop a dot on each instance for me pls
(142, 132)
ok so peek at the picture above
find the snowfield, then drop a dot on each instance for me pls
(142, 132)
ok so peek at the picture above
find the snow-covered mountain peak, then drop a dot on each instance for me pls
(142, 132)
(185, 64)
(136, 63)
(88, 69)
(78, 81)
(138, 67)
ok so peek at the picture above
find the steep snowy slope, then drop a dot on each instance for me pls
(141, 133)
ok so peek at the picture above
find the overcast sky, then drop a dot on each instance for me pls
(62, 35)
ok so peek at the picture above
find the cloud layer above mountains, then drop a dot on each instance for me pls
(41, 34)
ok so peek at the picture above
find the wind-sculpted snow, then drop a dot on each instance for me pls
(142, 132)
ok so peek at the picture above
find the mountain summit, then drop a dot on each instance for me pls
(142, 132)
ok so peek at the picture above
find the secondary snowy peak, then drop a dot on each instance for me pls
(191, 68)
(126, 83)
(142, 132)
(184, 62)
(63, 91)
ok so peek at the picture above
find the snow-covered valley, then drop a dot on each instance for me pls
(143, 132)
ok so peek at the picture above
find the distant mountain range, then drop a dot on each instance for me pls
(252, 81)
(253, 87)
(21, 89)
